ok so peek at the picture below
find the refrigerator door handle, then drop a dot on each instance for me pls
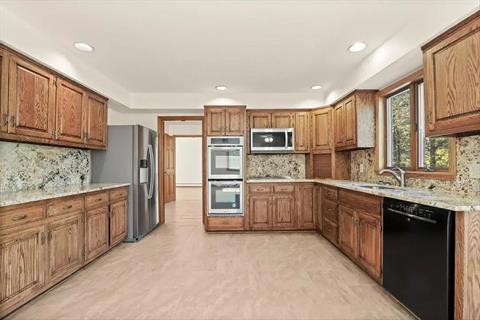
(151, 181)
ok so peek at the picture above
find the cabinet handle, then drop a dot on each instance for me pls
(20, 218)
(12, 120)
(69, 207)
(49, 236)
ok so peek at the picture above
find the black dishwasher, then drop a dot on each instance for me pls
(418, 257)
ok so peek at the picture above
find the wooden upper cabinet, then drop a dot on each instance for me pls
(234, 121)
(452, 80)
(322, 130)
(96, 120)
(369, 243)
(65, 246)
(70, 112)
(3, 90)
(31, 99)
(215, 121)
(22, 253)
(354, 118)
(283, 120)
(302, 131)
(118, 221)
(260, 120)
(225, 121)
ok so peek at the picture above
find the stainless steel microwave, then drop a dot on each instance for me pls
(272, 140)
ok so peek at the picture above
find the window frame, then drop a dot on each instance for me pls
(411, 82)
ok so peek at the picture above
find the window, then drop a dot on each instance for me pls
(406, 145)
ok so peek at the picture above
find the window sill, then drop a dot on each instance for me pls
(445, 175)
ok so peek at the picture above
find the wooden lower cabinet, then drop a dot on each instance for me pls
(22, 269)
(347, 231)
(305, 206)
(96, 232)
(283, 211)
(65, 246)
(369, 232)
(118, 221)
(44, 242)
(260, 212)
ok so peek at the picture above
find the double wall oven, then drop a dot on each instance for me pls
(225, 176)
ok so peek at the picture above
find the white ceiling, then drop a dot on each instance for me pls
(171, 54)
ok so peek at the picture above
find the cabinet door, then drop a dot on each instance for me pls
(118, 221)
(234, 121)
(96, 121)
(65, 246)
(339, 125)
(283, 211)
(452, 78)
(369, 243)
(216, 121)
(260, 212)
(3, 91)
(282, 120)
(347, 231)
(322, 130)
(305, 210)
(96, 233)
(350, 122)
(22, 266)
(70, 112)
(32, 100)
(260, 120)
(302, 131)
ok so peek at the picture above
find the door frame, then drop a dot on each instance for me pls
(161, 145)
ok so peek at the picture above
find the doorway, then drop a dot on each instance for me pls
(180, 173)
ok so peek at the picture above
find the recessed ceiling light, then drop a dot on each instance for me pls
(83, 46)
(316, 87)
(221, 88)
(357, 47)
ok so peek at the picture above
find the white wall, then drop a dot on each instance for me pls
(183, 127)
(189, 161)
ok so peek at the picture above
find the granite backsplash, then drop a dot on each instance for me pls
(271, 165)
(30, 166)
(468, 153)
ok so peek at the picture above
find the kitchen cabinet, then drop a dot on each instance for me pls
(283, 120)
(451, 80)
(260, 212)
(354, 121)
(225, 121)
(96, 120)
(369, 230)
(329, 214)
(283, 207)
(260, 120)
(22, 268)
(37, 105)
(118, 221)
(31, 99)
(3, 91)
(302, 131)
(347, 231)
(70, 112)
(305, 205)
(43, 242)
(322, 130)
(65, 246)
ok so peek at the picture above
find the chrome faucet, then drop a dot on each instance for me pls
(398, 173)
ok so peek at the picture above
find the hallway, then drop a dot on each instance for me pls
(181, 272)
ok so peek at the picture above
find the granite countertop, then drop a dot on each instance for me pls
(25, 196)
(444, 200)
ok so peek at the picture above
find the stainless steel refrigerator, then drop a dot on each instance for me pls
(131, 157)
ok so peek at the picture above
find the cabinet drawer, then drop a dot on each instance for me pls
(330, 210)
(22, 215)
(284, 188)
(97, 199)
(330, 230)
(330, 193)
(259, 188)
(224, 223)
(61, 206)
(118, 194)
(370, 204)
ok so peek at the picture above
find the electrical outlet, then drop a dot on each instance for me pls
(362, 167)
(475, 170)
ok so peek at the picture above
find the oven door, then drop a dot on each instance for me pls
(225, 162)
(225, 198)
(271, 140)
